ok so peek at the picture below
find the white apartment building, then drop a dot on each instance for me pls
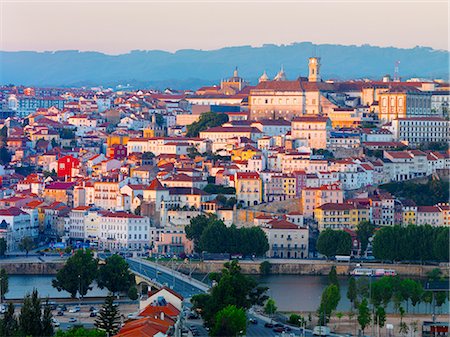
(417, 130)
(15, 224)
(120, 230)
(286, 239)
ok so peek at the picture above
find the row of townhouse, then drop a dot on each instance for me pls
(382, 210)
(409, 164)
(110, 230)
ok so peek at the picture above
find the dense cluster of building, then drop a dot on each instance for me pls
(116, 169)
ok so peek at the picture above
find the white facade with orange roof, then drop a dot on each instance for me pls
(286, 239)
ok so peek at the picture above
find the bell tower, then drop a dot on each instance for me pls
(314, 69)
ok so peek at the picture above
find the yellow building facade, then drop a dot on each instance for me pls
(336, 216)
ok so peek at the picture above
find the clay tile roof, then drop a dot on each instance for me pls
(282, 224)
(335, 207)
(13, 211)
(399, 154)
(428, 209)
(155, 185)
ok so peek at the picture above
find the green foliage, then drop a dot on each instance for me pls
(4, 134)
(67, 134)
(26, 244)
(3, 247)
(160, 120)
(296, 320)
(434, 146)
(148, 155)
(231, 288)
(418, 243)
(334, 242)
(328, 303)
(270, 307)
(108, 319)
(211, 235)
(352, 293)
(230, 321)
(9, 325)
(364, 317)
(380, 316)
(133, 293)
(80, 332)
(137, 210)
(5, 156)
(77, 274)
(52, 174)
(193, 152)
(115, 275)
(224, 202)
(434, 275)
(440, 297)
(323, 152)
(219, 189)
(265, 268)
(364, 231)
(47, 325)
(195, 229)
(207, 120)
(4, 283)
(431, 193)
(30, 321)
(332, 277)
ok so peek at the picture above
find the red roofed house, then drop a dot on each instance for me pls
(248, 188)
(159, 313)
(67, 165)
(286, 240)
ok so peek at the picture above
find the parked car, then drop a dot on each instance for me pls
(74, 310)
(62, 307)
(93, 314)
(268, 325)
(278, 325)
(92, 309)
(60, 313)
(55, 322)
(72, 319)
(253, 321)
(278, 329)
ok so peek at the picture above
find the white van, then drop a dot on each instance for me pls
(321, 331)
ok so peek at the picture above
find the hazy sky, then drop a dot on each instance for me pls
(120, 26)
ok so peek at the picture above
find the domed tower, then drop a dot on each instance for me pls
(314, 69)
(281, 76)
(263, 77)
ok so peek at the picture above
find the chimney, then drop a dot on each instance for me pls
(162, 316)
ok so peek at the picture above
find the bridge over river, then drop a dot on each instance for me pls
(159, 276)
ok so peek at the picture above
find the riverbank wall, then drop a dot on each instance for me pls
(305, 267)
(32, 268)
(288, 267)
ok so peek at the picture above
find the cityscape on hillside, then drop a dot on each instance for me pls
(295, 204)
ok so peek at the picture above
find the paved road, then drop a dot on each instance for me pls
(182, 287)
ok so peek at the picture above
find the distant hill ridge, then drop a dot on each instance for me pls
(189, 69)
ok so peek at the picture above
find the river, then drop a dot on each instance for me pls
(290, 292)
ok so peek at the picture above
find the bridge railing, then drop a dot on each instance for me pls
(196, 283)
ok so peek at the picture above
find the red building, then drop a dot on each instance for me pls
(117, 151)
(66, 164)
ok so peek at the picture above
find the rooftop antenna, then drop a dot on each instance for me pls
(396, 72)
